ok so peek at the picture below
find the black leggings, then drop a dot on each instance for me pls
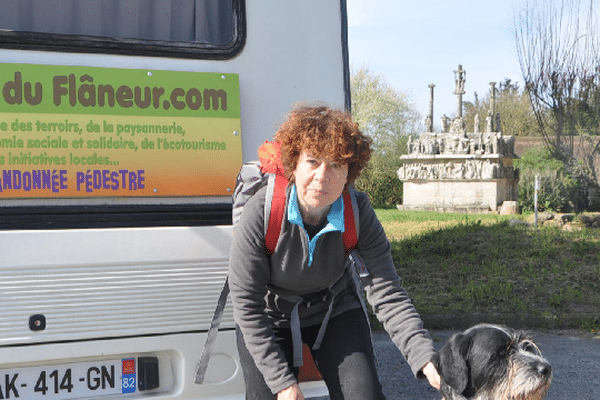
(346, 359)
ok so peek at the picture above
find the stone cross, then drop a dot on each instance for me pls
(430, 119)
(493, 104)
(460, 79)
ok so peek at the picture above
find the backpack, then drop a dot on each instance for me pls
(253, 176)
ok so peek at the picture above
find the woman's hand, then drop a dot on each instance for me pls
(432, 375)
(291, 393)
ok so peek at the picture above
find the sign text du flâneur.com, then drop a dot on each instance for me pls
(66, 89)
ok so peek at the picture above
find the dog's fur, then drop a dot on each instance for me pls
(492, 362)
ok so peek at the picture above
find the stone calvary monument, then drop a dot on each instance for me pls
(456, 170)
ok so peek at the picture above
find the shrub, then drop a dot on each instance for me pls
(383, 189)
(558, 191)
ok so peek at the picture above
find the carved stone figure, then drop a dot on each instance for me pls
(458, 125)
(488, 122)
(445, 121)
(498, 124)
(509, 146)
(460, 79)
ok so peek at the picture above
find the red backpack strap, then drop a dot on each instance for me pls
(276, 214)
(350, 235)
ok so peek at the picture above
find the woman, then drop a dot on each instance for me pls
(322, 152)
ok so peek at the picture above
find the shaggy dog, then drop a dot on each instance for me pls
(492, 362)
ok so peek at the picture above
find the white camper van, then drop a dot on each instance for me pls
(123, 124)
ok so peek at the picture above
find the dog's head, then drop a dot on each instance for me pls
(492, 362)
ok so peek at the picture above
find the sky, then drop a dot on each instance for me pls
(413, 43)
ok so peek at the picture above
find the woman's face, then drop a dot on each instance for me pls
(319, 183)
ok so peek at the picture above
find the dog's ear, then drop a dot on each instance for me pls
(451, 362)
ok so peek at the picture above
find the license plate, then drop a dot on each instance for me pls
(70, 381)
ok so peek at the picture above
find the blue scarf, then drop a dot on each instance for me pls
(335, 220)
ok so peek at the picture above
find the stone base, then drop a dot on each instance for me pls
(458, 194)
(509, 208)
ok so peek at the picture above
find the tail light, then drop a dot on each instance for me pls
(309, 371)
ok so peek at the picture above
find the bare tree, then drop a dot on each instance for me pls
(558, 47)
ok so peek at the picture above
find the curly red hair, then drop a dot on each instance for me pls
(325, 133)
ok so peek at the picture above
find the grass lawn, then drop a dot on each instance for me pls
(461, 269)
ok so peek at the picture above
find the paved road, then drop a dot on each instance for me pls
(575, 358)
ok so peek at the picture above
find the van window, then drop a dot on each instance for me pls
(198, 28)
